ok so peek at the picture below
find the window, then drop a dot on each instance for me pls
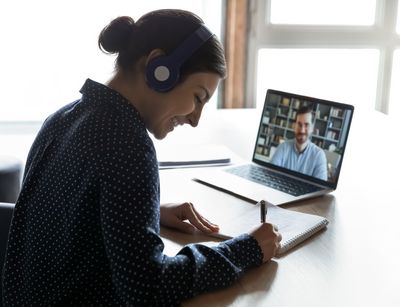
(395, 93)
(398, 18)
(342, 50)
(50, 48)
(322, 12)
(346, 75)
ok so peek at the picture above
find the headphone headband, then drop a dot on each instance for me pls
(162, 73)
(191, 44)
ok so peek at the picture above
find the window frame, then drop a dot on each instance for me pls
(382, 35)
(235, 45)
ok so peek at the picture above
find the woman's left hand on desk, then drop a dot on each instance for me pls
(184, 217)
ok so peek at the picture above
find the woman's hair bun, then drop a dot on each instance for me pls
(115, 37)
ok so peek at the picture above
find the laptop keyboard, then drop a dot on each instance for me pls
(273, 180)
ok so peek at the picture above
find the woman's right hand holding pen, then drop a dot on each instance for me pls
(266, 234)
(268, 239)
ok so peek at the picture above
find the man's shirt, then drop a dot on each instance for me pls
(312, 161)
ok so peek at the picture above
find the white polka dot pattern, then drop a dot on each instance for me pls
(85, 230)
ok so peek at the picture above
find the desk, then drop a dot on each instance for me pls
(354, 262)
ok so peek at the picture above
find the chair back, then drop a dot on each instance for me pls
(6, 213)
(10, 179)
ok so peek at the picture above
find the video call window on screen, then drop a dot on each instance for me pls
(330, 125)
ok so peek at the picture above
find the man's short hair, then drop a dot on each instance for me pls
(304, 110)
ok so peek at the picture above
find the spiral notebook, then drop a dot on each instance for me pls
(295, 227)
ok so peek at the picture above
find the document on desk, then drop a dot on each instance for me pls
(179, 156)
(295, 227)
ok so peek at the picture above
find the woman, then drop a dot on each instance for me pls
(85, 229)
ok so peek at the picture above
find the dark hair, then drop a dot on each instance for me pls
(304, 110)
(163, 29)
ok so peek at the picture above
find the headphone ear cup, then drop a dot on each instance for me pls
(161, 74)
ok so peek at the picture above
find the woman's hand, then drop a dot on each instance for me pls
(268, 239)
(184, 217)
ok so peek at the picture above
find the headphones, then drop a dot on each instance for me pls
(162, 73)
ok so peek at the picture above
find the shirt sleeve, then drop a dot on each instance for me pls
(277, 158)
(321, 168)
(141, 273)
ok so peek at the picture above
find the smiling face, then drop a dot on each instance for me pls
(303, 129)
(182, 105)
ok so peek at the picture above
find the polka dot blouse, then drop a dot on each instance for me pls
(85, 230)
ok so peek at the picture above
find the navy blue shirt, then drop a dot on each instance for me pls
(86, 226)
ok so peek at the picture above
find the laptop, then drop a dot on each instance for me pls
(298, 152)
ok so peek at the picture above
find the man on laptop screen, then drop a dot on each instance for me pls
(298, 151)
(300, 154)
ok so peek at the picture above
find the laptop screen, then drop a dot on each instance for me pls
(303, 135)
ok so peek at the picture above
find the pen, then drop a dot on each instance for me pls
(263, 210)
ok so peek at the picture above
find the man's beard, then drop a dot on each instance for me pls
(301, 138)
